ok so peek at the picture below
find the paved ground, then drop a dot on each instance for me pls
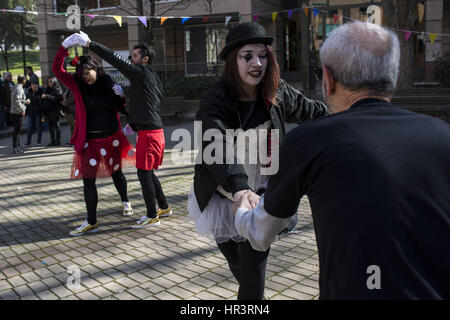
(39, 205)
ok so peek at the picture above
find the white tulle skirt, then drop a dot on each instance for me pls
(216, 222)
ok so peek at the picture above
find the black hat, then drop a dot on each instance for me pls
(242, 34)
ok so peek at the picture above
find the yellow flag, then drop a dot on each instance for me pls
(421, 11)
(163, 19)
(274, 16)
(432, 37)
(118, 19)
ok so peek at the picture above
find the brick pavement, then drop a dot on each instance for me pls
(39, 205)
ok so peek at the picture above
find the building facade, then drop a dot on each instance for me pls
(191, 48)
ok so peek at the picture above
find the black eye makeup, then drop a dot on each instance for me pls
(249, 56)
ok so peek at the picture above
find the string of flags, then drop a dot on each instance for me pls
(255, 17)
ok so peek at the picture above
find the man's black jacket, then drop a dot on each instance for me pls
(146, 89)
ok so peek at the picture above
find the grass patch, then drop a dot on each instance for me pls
(15, 62)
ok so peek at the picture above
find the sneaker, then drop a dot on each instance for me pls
(20, 150)
(85, 227)
(127, 210)
(164, 212)
(38, 144)
(27, 144)
(145, 222)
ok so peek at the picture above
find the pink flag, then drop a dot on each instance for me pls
(407, 35)
(3, 10)
(91, 16)
(255, 17)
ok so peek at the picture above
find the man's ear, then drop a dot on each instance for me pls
(330, 83)
(145, 59)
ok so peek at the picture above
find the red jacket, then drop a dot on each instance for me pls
(79, 133)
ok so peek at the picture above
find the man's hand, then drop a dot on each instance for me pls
(28, 101)
(84, 39)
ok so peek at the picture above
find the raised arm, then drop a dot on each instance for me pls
(58, 68)
(124, 66)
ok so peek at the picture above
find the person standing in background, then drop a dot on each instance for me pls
(18, 107)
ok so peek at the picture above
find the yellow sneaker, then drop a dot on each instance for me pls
(127, 210)
(85, 227)
(164, 212)
(145, 222)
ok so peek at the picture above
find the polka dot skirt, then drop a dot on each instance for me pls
(101, 158)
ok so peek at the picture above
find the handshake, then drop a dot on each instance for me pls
(76, 39)
(245, 199)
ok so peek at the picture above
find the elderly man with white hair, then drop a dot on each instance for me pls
(377, 178)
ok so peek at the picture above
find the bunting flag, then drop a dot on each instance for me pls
(205, 19)
(255, 17)
(335, 18)
(315, 12)
(407, 35)
(118, 19)
(3, 10)
(163, 19)
(91, 16)
(227, 19)
(274, 16)
(421, 10)
(239, 17)
(143, 20)
(185, 19)
(433, 37)
(306, 11)
(290, 12)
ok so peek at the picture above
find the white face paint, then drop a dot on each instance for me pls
(252, 64)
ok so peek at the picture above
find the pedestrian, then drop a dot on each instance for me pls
(2, 104)
(18, 107)
(33, 112)
(69, 111)
(8, 86)
(250, 97)
(377, 178)
(101, 149)
(51, 105)
(33, 77)
(146, 91)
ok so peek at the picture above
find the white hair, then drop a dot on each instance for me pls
(363, 56)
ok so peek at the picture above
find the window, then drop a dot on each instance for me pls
(61, 5)
(203, 45)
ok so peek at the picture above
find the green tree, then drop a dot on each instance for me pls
(10, 27)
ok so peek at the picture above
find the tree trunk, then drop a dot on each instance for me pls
(400, 16)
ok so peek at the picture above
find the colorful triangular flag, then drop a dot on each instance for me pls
(433, 37)
(274, 16)
(421, 11)
(183, 20)
(239, 17)
(306, 11)
(290, 12)
(205, 19)
(315, 12)
(407, 35)
(163, 19)
(3, 10)
(91, 16)
(227, 19)
(255, 17)
(118, 19)
(143, 20)
(335, 18)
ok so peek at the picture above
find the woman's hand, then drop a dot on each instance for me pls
(118, 90)
(247, 197)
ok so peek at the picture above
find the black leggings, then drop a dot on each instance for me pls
(248, 267)
(91, 196)
(16, 119)
(151, 188)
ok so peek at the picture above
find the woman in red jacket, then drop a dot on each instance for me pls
(101, 149)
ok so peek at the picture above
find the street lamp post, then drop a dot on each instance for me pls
(18, 8)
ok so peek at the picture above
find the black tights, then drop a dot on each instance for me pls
(248, 267)
(151, 189)
(91, 196)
